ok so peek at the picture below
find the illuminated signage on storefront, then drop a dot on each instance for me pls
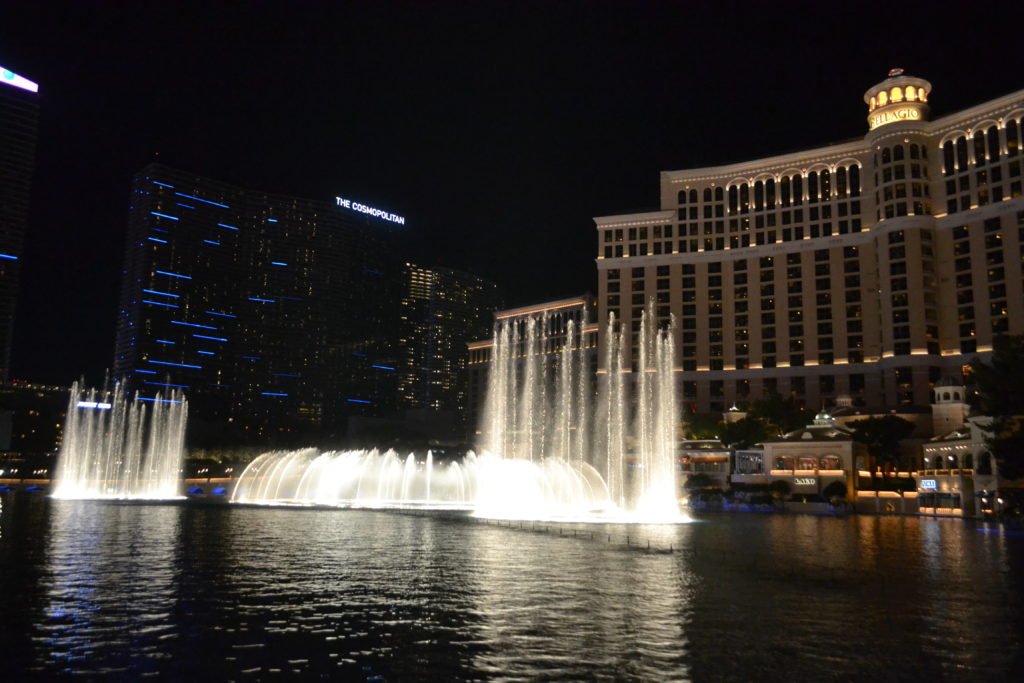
(370, 211)
(805, 481)
(11, 78)
(928, 484)
(909, 112)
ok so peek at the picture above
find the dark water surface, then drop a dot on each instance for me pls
(187, 592)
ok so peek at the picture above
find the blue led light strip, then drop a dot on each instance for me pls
(163, 184)
(355, 400)
(200, 336)
(205, 327)
(267, 301)
(164, 215)
(278, 263)
(147, 372)
(271, 220)
(216, 244)
(183, 277)
(165, 384)
(224, 315)
(154, 239)
(165, 341)
(206, 353)
(186, 206)
(179, 365)
(8, 256)
(270, 393)
(153, 291)
(382, 367)
(229, 227)
(207, 201)
(158, 303)
(285, 374)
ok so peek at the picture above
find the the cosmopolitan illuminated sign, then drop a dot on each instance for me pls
(370, 211)
(10, 78)
(908, 112)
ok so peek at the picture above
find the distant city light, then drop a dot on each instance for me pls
(10, 78)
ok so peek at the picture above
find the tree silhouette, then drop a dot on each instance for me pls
(1000, 384)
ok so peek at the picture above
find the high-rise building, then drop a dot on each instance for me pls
(866, 269)
(277, 315)
(19, 117)
(442, 310)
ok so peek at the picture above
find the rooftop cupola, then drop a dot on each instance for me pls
(898, 98)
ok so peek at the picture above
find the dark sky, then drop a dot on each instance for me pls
(497, 129)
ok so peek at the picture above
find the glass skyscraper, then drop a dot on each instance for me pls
(277, 315)
(19, 117)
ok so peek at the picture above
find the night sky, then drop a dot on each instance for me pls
(498, 129)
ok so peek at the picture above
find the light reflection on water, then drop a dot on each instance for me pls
(218, 593)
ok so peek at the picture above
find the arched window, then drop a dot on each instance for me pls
(886, 156)
(682, 196)
(871, 107)
(979, 148)
(992, 134)
(969, 461)
(784, 185)
(758, 195)
(707, 194)
(937, 462)
(883, 99)
(915, 151)
(693, 196)
(812, 186)
(807, 463)
(897, 153)
(826, 185)
(985, 463)
(798, 190)
(744, 198)
(1012, 138)
(896, 95)
(948, 160)
(769, 193)
(855, 181)
(841, 188)
(922, 95)
(911, 93)
(733, 199)
(961, 154)
(718, 194)
(945, 395)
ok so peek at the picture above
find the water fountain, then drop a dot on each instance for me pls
(549, 449)
(116, 446)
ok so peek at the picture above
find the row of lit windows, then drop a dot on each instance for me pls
(897, 94)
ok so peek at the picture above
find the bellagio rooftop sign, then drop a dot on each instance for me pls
(370, 211)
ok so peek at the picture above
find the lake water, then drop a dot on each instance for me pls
(193, 592)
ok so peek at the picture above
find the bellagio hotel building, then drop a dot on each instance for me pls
(867, 269)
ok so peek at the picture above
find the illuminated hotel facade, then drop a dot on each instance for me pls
(274, 314)
(867, 269)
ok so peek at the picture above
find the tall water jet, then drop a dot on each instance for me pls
(628, 434)
(116, 446)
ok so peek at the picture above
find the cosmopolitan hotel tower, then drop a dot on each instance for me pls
(275, 314)
(19, 116)
(866, 269)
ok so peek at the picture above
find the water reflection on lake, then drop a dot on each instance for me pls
(239, 593)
